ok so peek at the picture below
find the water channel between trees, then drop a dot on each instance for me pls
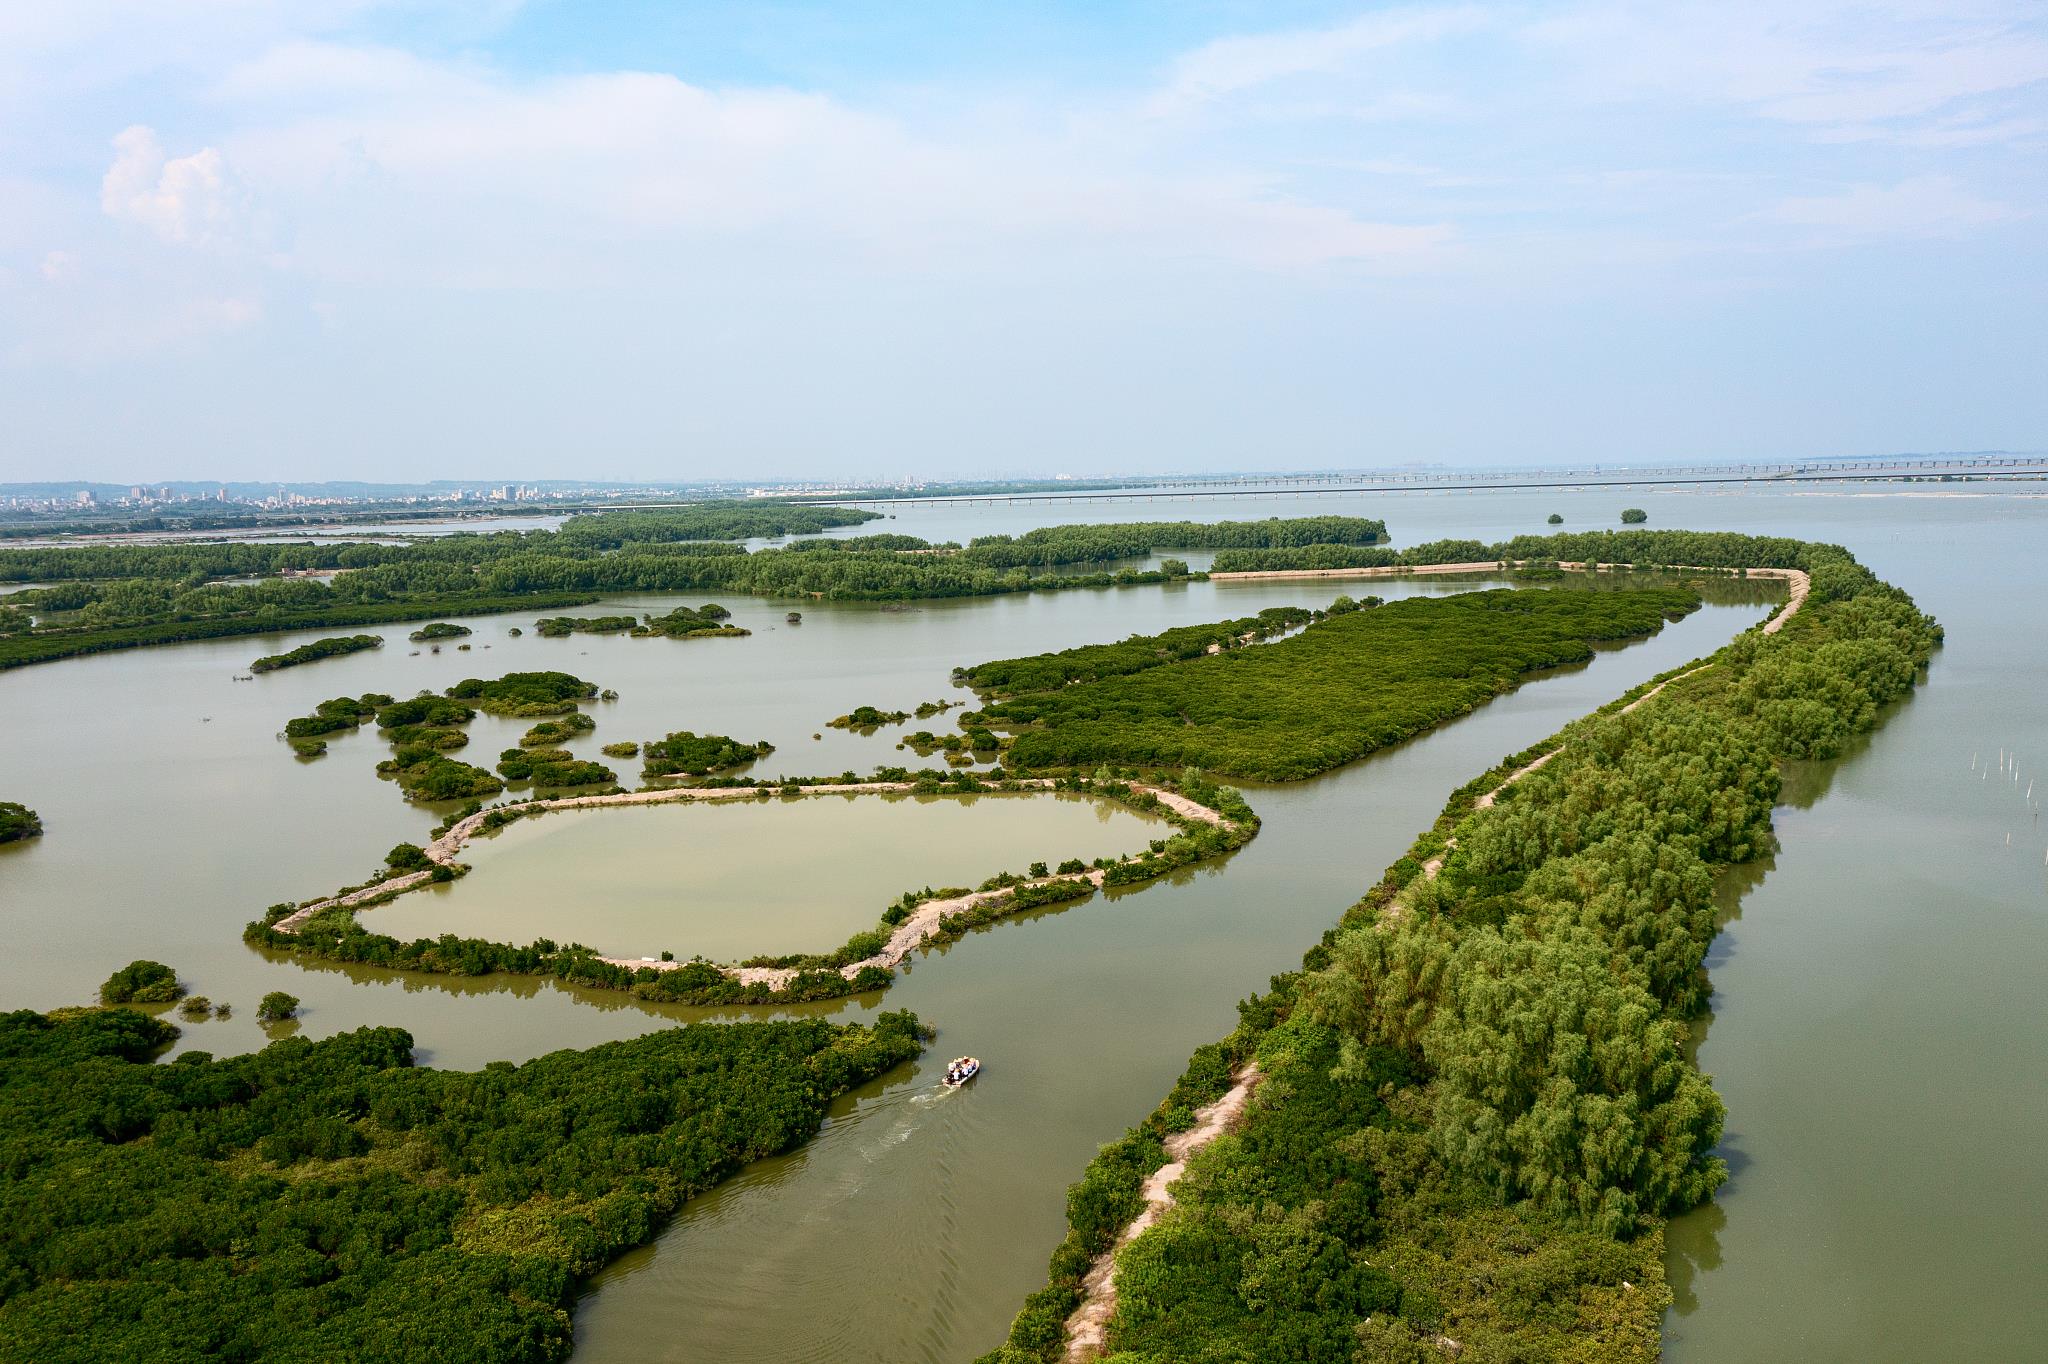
(1878, 1028)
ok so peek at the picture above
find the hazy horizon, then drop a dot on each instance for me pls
(493, 239)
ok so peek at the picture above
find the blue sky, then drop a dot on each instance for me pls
(339, 238)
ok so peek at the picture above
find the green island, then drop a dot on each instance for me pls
(334, 1200)
(520, 694)
(548, 733)
(317, 650)
(552, 767)
(1347, 684)
(686, 754)
(561, 627)
(425, 774)
(440, 629)
(1093, 662)
(702, 622)
(142, 982)
(867, 717)
(684, 622)
(308, 734)
(1208, 822)
(1458, 1129)
(100, 597)
(17, 822)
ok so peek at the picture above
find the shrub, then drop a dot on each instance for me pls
(141, 982)
(277, 1006)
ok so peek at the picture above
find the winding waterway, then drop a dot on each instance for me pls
(1879, 1031)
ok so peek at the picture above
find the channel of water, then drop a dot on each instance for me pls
(1878, 1026)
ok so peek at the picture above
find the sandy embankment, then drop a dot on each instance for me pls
(1088, 1326)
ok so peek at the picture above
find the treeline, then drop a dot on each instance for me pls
(125, 596)
(1477, 1106)
(1090, 662)
(331, 1200)
(1643, 548)
(1352, 683)
(1075, 544)
(317, 650)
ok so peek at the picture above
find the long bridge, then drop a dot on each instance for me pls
(1930, 469)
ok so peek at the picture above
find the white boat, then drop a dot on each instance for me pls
(960, 1070)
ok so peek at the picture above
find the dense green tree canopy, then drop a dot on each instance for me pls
(17, 822)
(1341, 688)
(332, 1201)
(317, 650)
(1477, 1105)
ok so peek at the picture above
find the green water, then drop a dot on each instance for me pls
(1879, 1026)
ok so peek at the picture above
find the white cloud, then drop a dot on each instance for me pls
(1234, 65)
(58, 266)
(413, 169)
(1927, 206)
(184, 200)
(1824, 64)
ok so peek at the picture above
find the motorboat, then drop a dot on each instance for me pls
(960, 1070)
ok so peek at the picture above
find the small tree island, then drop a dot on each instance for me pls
(18, 822)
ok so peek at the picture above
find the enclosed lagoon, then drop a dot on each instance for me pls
(734, 879)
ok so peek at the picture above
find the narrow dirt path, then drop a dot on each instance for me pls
(1088, 1326)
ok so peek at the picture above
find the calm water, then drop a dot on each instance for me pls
(731, 879)
(1879, 1029)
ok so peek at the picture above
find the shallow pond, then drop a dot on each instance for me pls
(734, 879)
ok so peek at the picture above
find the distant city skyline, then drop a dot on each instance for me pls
(857, 241)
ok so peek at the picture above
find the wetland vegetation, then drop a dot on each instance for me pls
(92, 598)
(17, 822)
(317, 650)
(334, 1200)
(1346, 685)
(687, 754)
(1475, 1105)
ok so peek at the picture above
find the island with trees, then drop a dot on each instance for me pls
(548, 733)
(522, 694)
(142, 982)
(427, 775)
(867, 718)
(552, 767)
(437, 630)
(336, 647)
(1348, 684)
(18, 822)
(334, 1200)
(687, 754)
(1460, 1126)
(1634, 516)
(701, 622)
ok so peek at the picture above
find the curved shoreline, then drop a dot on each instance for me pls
(929, 918)
(1087, 1326)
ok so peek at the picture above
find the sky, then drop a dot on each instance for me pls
(633, 239)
